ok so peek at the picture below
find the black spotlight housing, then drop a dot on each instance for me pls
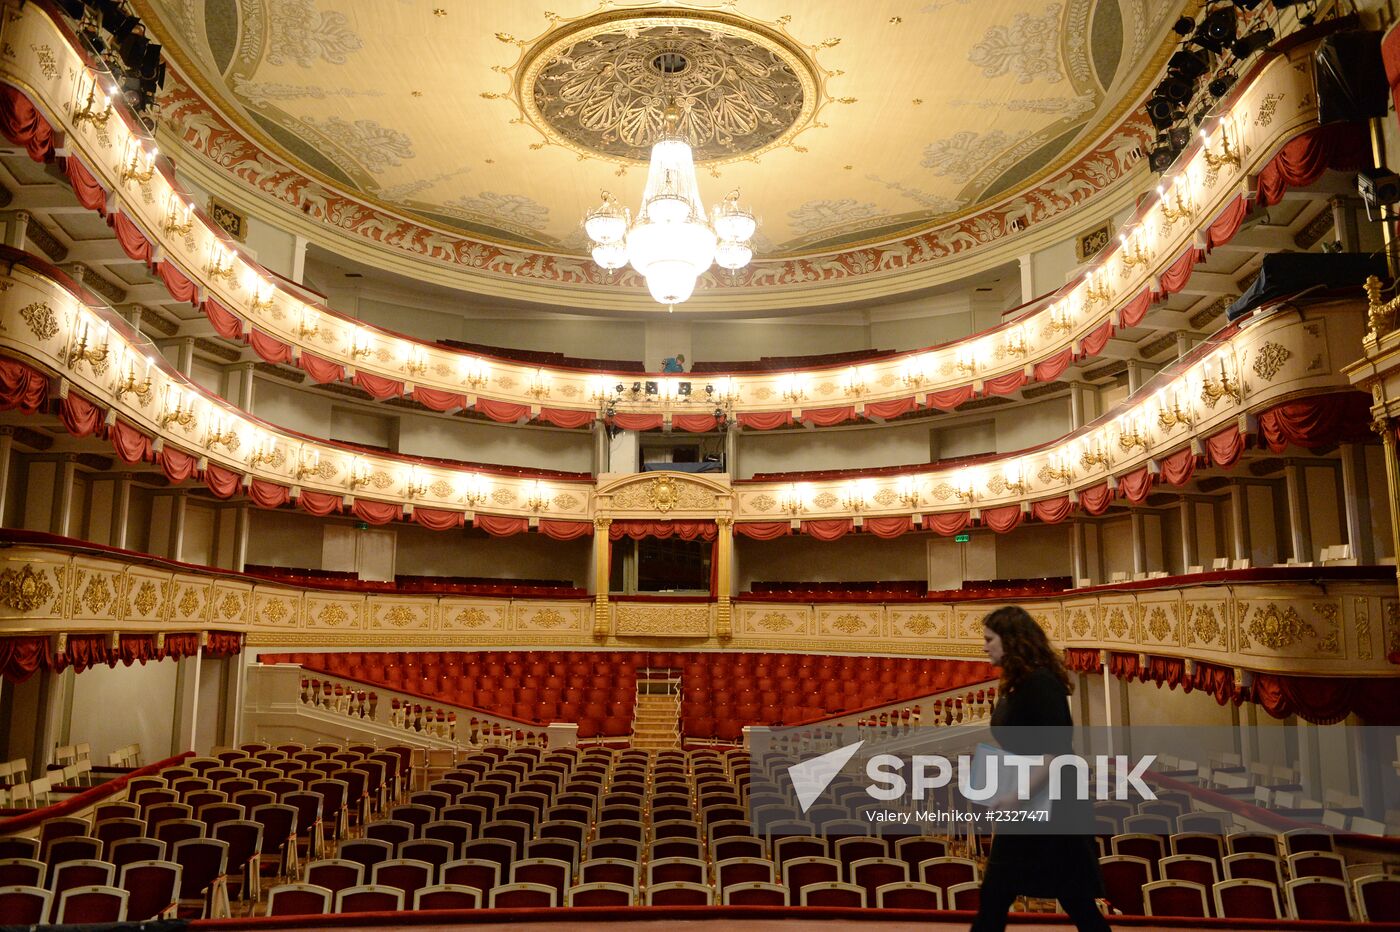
(1220, 85)
(1188, 64)
(1162, 112)
(1162, 155)
(1254, 42)
(1180, 137)
(1217, 30)
(1178, 90)
(1184, 26)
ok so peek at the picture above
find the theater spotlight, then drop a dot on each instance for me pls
(651, 388)
(1180, 137)
(1188, 64)
(1162, 154)
(1178, 90)
(683, 389)
(1257, 40)
(1221, 84)
(1163, 112)
(1184, 26)
(1217, 30)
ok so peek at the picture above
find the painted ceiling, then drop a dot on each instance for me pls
(840, 123)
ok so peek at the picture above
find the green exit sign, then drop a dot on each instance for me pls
(963, 538)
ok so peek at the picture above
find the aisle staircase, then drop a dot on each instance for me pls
(656, 720)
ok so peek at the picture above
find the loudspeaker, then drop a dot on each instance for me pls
(1350, 76)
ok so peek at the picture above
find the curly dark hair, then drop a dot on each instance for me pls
(1024, 647)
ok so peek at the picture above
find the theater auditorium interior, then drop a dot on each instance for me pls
(456, 457)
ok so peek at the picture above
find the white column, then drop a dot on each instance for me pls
(1139, 543)
(186, 356)
(1356, 503)
(243, 519)
(1189, 555)
(7, 443)
(65, 471)
(245, 386)
(1299, 524)
(299, 259)
(1078, 557)
(121, 509)
(1183, 343)
(16, 228)
(1239, 521)
(1134, 375)
(731, 451)
(177, 526)
(1027, 263)
(600, 448)
(194, 698)
(1078, 414)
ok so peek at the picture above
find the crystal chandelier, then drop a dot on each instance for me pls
(670, 242)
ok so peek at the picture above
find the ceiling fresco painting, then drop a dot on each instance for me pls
(842, 124)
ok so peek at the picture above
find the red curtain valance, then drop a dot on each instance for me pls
(225, 323)
(1179, 467)
(129, 236)
(1095, 500)
(625, 421)
(890, 526)
(763, 530)
(563, 417)
(373, 512)
(1338, 146)
(378, 386)
(24, 125)
(948, 523)
(1135, 485)
(692, 423)
(222, 482)
(1048, 370)
(320, 369)
(1225, 447)
(685, 530)
(176, 464)
(88, 189)
(1004, 384)
(500, 526)
(1095, 340)
(130, 444)
(79, 415)
(1317, 422)
(319, 503)
(1002, 518)
(828, 528)
(504, 412)
(1224, 227)
(828, 417)
(1179, 272)
(438, 519)
(438, 399)
(267, 494)
(949, 398)
(22, 387)
(892, 408)
(178, 283)
(1132, 313)
(1052, 510)
(21, 656)
(268, 347)
(765, 420)
(1082, 660)
(565, 530)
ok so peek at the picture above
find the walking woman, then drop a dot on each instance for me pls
(1032, 717)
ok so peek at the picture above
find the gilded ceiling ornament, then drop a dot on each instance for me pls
(663, 493)
(886, 497)
(47, 65)
(1277, 629)
(145, 601)
(42, 320)
(1157, 624)
(1270, 360)
(24, 590)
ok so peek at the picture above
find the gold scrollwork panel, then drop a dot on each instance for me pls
(554, 618)
(467, 615)
(850, 621)
(766, 620)
(631, 619)
(334, 613)
(230, 604)
(32, 585)
(932, 623)
(401, 615)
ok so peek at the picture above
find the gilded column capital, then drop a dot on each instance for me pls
(601, 523)
(724, 522)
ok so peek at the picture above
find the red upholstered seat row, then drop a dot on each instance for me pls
(444, 585)
(903, 590)
(722, 691)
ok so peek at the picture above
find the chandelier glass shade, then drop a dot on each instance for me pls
(671, 241)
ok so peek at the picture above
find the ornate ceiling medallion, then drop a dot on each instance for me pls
(599, 85)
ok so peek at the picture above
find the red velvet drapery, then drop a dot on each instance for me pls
(763, 530)
(373, 512)
(500, 525)
(693, 423)
(268, 347)
(438, 519)
(267, 494)
(1132, 313)
(1094, 500)
(318, 503)
(504, 412)
(1224, 227)
(1050, 369)
(225, 323)
(438, 400)
(129, 236)
(1178, 468)
(378, 386)
(685, 530)
(1002, 518)
(888, 527)
(176, 464)
(178, 283)
(222, 482)
(1225, 447)
(626, 421)
(1095, 340)
(24, 125)
(892, 408)
(563, 417)
(565, 530)
(1004, 384)
(766, 420)
(129, 442)
(1317, 422)
(320, 369)
(79, 415)
(1339, 146)
(828, 528)
(88, 189)
(21, 656)
(1135, 485)
(22, 387)
(949, 398)
(828, 417)
(1179, 272)
(1052, 510)
(948, 523)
